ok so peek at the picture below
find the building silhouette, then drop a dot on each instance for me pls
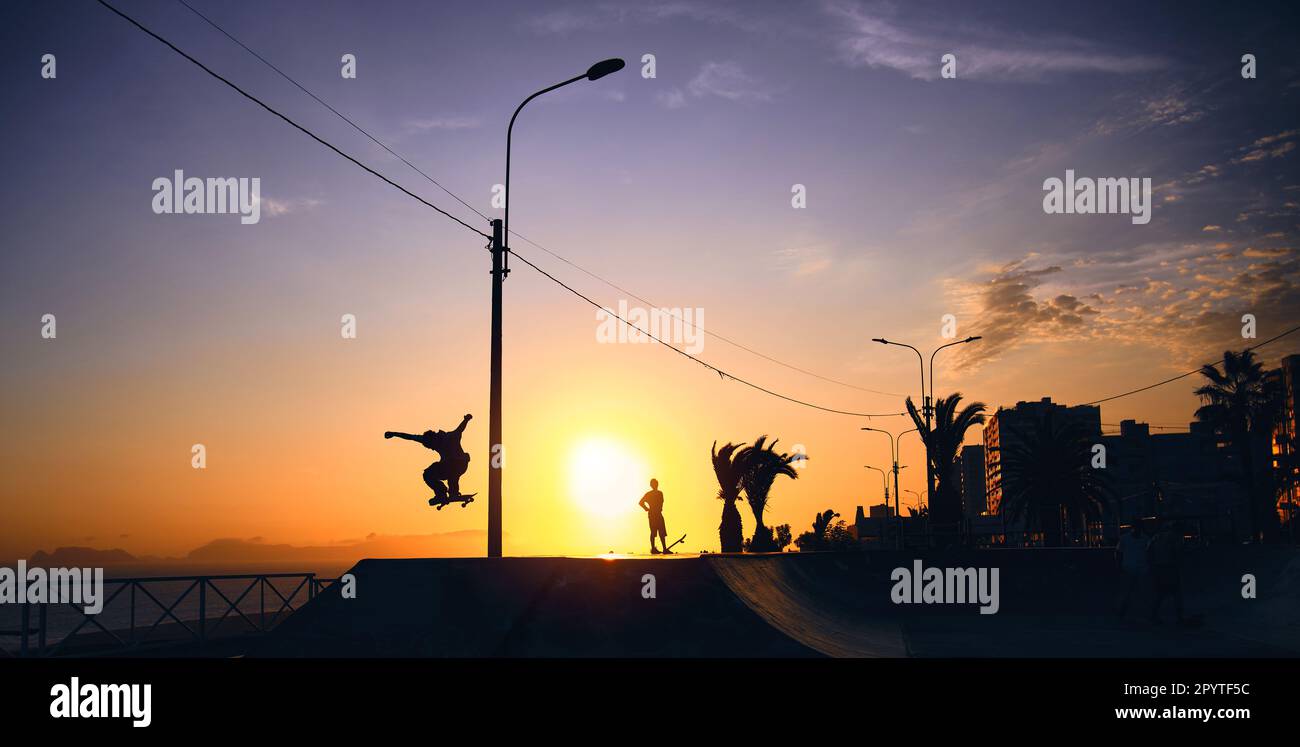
(1284, 444)
(974, 498)
(1185, 475)
(1009, 427)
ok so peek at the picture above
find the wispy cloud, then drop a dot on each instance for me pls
(1168, 108)
(673, 98)
(880, 38)
(1248, 157)
(1270, 146)
(1185, 299)
(442, 123)
(727, 80)
(273, 208)
(1007, 312)
(804, 260)
(608, 15)
(724, 80)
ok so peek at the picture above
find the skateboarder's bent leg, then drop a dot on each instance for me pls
(434, 476)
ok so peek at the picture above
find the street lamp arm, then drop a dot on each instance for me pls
(509, 136)
(920, 360)
(539, 93)
(899, 447)
(883, 481)
(941, 347)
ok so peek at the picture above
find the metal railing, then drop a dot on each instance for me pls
(34, 640)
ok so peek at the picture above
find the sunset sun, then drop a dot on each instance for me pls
(605, 477)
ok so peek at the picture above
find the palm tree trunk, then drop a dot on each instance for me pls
(762, 540)
(731, 534)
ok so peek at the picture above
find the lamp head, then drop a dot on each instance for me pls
(605, 67)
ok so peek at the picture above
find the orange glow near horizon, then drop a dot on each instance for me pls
(296, 454)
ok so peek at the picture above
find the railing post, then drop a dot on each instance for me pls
(203, 610)
(131, 640)
(44, 618)
(311, 586)
(261, 601)
(22, 634)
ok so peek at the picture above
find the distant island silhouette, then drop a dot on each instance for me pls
(466, 542)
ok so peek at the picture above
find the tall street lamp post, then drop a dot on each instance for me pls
(501, 268)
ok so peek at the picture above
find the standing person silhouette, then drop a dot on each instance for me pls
(443, 475)
(1132, 551)
(653, 503)
(1165, 554)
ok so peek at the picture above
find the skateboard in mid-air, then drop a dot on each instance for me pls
(464, 500)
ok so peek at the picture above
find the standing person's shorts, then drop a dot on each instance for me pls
(657, 525)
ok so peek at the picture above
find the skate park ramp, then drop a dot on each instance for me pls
(1053, 603)
(819, 600)
(531, 607)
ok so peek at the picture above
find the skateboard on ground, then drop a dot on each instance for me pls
(675, 544)
(464, 500)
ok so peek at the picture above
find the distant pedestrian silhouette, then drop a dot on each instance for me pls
(653, 503)
(1165, 554)
(443, 475)
(1132, 553)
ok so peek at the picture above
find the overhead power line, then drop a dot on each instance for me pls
(561, 258)
(721, 373)
(337, 113)
(1197, 370)
(699, 328)
(297, 126)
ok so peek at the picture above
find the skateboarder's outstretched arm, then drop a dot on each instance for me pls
(407, 436)
(461, 428)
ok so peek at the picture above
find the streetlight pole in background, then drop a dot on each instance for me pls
(501, 268)
(893, 449)
(883, 482)
(925, 411)
(920, 502)
(927, 399)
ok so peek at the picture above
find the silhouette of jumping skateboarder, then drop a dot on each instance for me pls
(443, 475)
(653, 503)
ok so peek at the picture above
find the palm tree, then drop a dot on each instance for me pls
(762, 465)
(729, 468)
(1236, 402)
(1053, 484)
(818, 538)
(943, 440)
